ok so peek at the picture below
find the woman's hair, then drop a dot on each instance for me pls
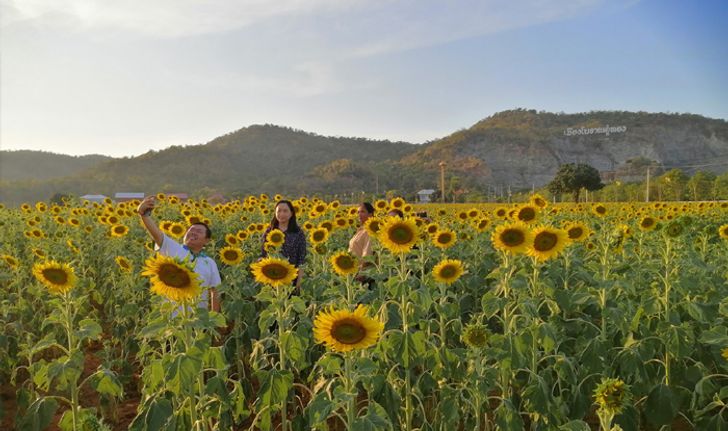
(292, 223)
(399, 213)
(368, 206)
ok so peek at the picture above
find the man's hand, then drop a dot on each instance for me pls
(146, 205)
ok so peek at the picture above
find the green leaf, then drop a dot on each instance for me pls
(47, 341)
(295, 347)
(715, 336)
(156, 414)
(507, 417)
(661, 406)
(104, 381)
(319, 409)
(154, 329)
(39, 415)
(88, 329)
(66, 371)
(181, 374)
(575, 425)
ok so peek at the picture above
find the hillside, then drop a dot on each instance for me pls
(519, 149)
(41, 165)
(524, 148)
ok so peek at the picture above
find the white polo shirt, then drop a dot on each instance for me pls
(205, 266)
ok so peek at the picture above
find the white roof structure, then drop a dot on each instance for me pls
(126, 196)
(426, 192)
(93, 198)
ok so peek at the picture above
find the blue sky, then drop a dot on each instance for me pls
(123, 77)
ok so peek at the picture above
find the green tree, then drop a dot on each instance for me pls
(672, 185)
(720, 186)
(700, 186)
(572, 177)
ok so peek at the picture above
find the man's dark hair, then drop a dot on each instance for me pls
(292, 223)
(399, 213)
(368, 206)
(208, 231)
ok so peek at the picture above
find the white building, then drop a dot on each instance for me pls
(125, 196)
(93, 198)
(425, 196)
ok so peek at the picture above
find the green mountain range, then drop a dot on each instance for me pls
(515, 149)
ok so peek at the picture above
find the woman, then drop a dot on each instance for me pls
(294, 244)
(360, 245)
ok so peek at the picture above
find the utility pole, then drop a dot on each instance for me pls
(647, 190)
(442, 180)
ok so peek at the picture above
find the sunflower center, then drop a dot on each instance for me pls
(647, 222)
(444, 238)
(275, 271)
(177, 230)
(318, 236)
(345, 262)
(527, 214)
(230, 254)
(400, 235)
(55, 275)
(348, 331)
(119, 229)
(448, 271)
(513, 237)
(545, 241)
(174, 276)
(575, 232)
(124, 264)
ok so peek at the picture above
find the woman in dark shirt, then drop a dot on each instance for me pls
(294, 245)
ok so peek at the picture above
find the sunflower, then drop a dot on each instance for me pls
(399, 235)
(373, 225)
(611, 395)
(344, 263)
(39, 252)
(396, 203)
(538, 201)
(58, 277)
(274, 272)
(444, 238)
(318, 235)
(11, 261)
(526, 214)
(344, 331)
(599, 210)
(231, 239)
(723, 231)
(547, 243)
(275, 238)
(176, 230)
(475, 336)
(231, 255)
(513, 238)
(432, 228)
(674, 229)
(577, 231)
(74, 222)
(381, 205)
(119, 230)
(481, 224)
(724, 353)
(327, 225)
(123, 263)
(73, 247)
(172, 279)
(647, 223)
(501, 213)
(448, 271)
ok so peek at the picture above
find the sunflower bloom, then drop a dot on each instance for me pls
(577, 231)
(475, 336)
(171, 278)
(448, 271)
(274, 272)
(724, 353)
(10, 261)
(318, 235)
(344, 331)
(373, 225)
(723, 231)
(611, 395)
(527, 214)
(119, 230)
(444, 239)
(231, 255)
(513, 238)
(399, 235)
(57, 277)
(648, 223)
(344, 263)
(123, 263)
(547, 243)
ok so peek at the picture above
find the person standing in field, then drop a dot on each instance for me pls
(294, 243)
(360, 245)
(194, 240)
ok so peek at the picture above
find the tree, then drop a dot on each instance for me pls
(572, 177)
(672, 185)
(701, 185)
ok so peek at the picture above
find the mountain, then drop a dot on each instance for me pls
(518, 149)
(524, 148)
(41, 165)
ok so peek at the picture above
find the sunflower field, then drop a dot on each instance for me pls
(533, 316)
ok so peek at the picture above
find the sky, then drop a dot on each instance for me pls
(124, 77)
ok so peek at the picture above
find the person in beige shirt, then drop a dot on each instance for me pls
(360, 245)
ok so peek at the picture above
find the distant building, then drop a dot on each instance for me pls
(127, 196)
(425, 196)
(94, 198)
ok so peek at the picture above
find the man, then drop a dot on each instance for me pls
(195, 239)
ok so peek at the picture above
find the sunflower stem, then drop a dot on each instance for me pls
(188, 342)
(282, 296)
(71, 351)
(349, 386)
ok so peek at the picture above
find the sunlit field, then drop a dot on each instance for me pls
(533, 315)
